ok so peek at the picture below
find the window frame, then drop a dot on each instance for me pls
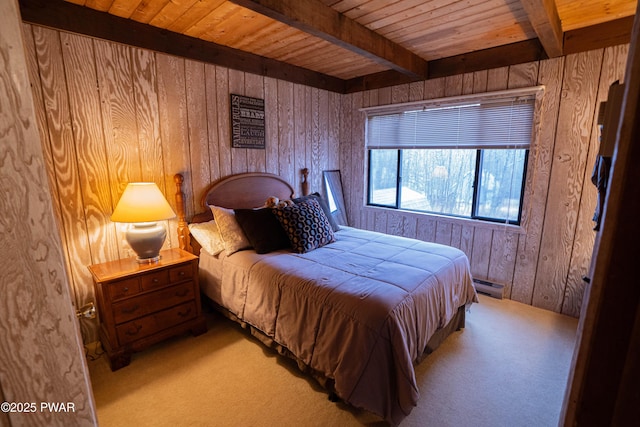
(536, 91)
(476, 190)
(475, 194)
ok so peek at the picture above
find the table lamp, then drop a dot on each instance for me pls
(141, 206)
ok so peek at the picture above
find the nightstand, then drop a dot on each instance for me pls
(142, 304)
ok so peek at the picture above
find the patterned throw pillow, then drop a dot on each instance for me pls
(208, 235)
(323, 204)
(306, 225)
(232, 235)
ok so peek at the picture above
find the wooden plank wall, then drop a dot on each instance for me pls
(40, 344)
(541, 263)
(111, 114)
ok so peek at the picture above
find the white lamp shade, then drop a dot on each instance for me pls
(142, 202)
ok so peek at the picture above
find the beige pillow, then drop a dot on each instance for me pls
(208, 235)
(232, 235)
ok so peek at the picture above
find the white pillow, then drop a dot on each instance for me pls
(208, 235)
(232, 235)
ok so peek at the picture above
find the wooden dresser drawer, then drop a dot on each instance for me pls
(150, 303)
(124, 288)
(178, 274)
(145, 326)
(155, 280)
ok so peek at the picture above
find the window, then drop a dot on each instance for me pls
(463, 156)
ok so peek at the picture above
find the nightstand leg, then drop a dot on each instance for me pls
(119, 360)
(199, 328)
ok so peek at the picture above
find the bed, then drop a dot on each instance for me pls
(356, 312)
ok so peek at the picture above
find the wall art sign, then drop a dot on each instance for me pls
(247, 122)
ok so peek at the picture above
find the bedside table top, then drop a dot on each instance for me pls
(129, 266)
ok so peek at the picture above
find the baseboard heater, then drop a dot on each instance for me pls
(494, 290)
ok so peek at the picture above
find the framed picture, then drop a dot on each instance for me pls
(247, 122)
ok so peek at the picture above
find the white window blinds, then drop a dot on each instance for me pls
(494, 120)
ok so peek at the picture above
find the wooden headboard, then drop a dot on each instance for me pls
(241, 191)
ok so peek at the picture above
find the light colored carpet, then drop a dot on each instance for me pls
(508, 367)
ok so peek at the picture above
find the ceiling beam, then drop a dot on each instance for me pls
(486, 59)
(598, 36)
(66, 16)
(495, 57)
(543, 16)
(315, 18)
(377, 81)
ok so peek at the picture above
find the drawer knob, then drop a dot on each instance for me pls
(125, 289)
(133, 330)
(184, 313)
(155, 280)
(181, 273)
(130, 309)
(182, 292)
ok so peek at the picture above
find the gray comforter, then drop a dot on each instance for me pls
(359, 311)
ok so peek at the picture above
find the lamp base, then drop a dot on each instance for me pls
(146, 240)
(152, 260)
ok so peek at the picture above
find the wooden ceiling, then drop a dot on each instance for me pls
(348, 45)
